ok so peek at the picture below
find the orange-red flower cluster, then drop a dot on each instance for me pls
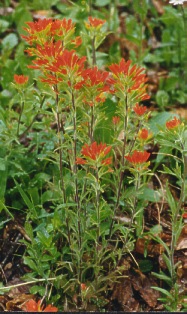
(173, 123)
(138, 157)
(143, 134)
(95, 152)
(94, 22)
(139, 110)
(48, 30)
(95, 84)
(59, 65)
(51, 42)
(33, 306)
(20, 79)
(129, 79)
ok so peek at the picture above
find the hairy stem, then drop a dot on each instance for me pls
(77, 199)
(60, 128)
(93, 52)
(121, 175)
(20, 115)
(97, 207)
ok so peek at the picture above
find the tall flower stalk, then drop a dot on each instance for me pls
(130, 88)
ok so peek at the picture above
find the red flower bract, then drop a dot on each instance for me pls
(33, 306)
(95, 152)
(129, 79)
(35, 28)
(80, 161)
(48, 30)
(38, 26)
(60, 27)
(143, 134)
(47, 51)
(139, 110)
(20, 79)
(94, 22)
(95, 83)
(93, 76)
(172, 123)
(67, 61)
(59, 65)
(138, 157)
(115, 120)
(122, 67)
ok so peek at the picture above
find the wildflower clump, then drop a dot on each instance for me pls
(92, 148)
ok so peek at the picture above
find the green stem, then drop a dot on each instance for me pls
(97, 207)
(60, 127)
(121, 174)
(20, 115)
(137, 186)
(93, 52)
(92, 124)
(77, 199)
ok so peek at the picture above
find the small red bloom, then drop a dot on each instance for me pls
(38, 26)
(122, 67)
(94, 22)
(143, 134)
(93, 76)
(172, 123)
(78, 41)
(62, 27)
(95, 83)
(115, 120)
(20, 79)
(107, 161)
(35, 29)
(139, 110)
(80, 161)
(138, 157)
(67, 61)
(33, 306)
(83, 286)
(48, 30)
(95, 152)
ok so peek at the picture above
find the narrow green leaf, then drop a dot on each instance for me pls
(27, 201)
(163, 291)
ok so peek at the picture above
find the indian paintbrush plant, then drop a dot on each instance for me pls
(87, 131)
